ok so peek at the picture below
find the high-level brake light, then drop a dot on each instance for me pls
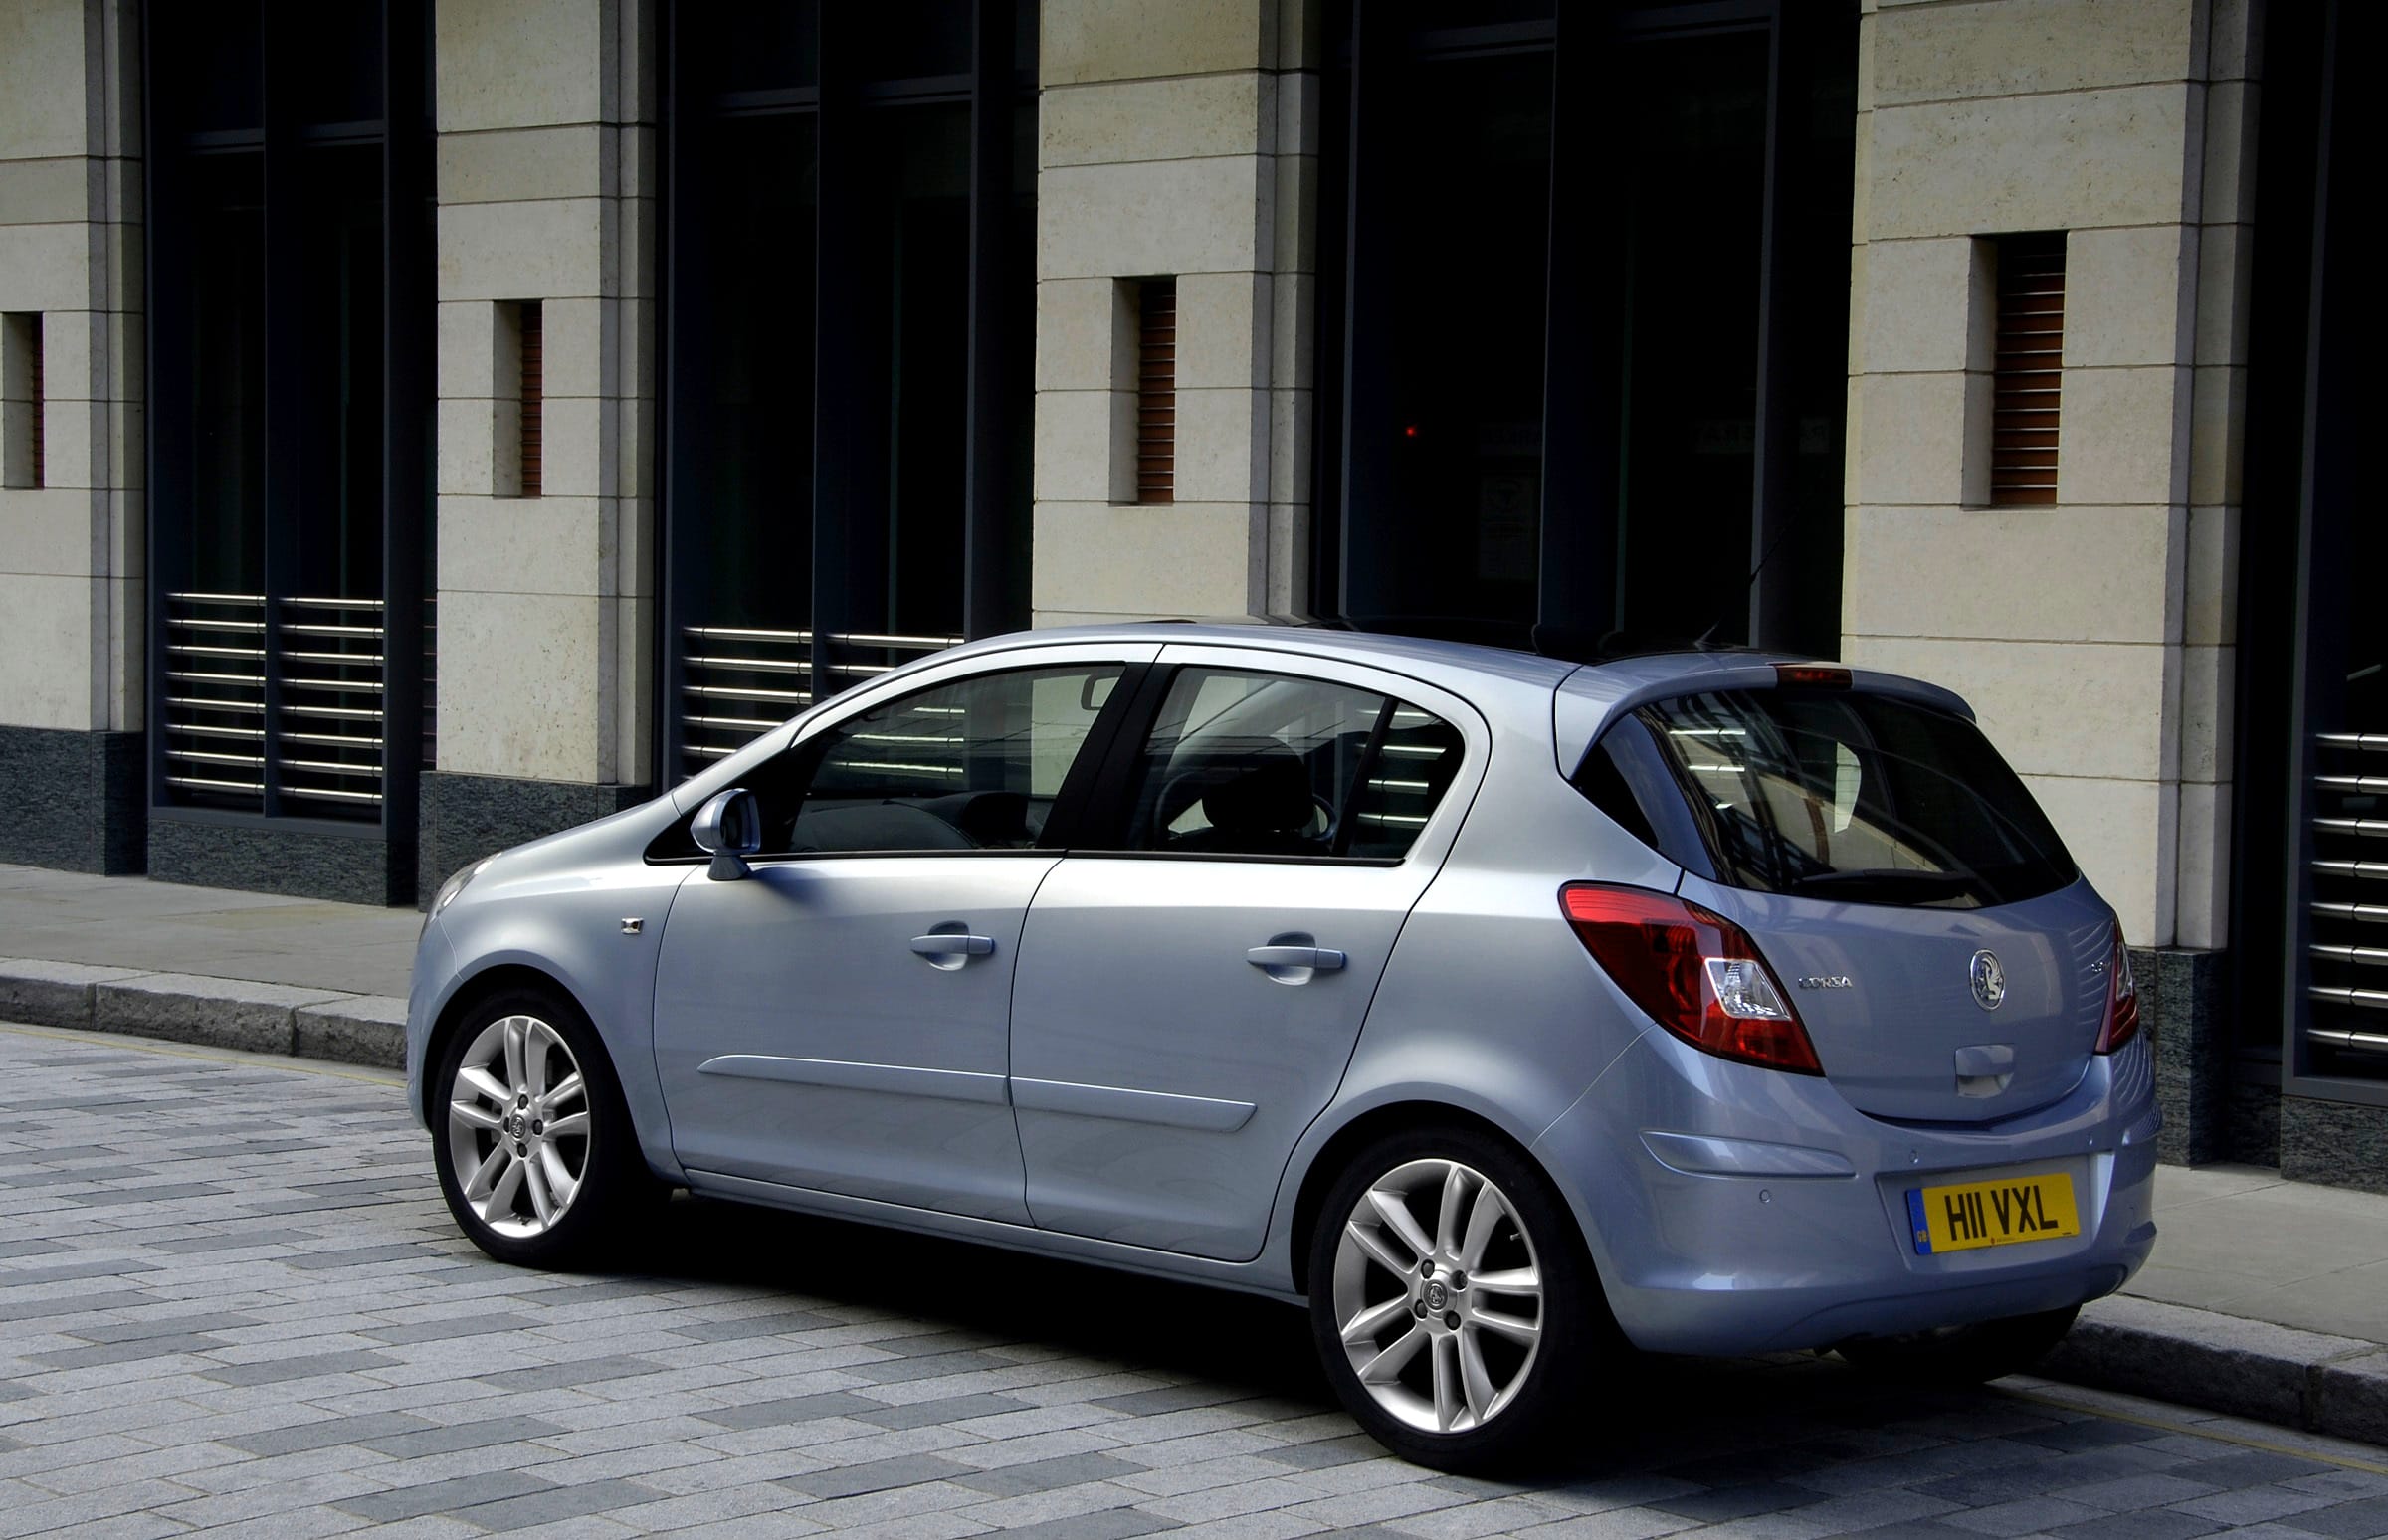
(1695, 972)
(1828, 675)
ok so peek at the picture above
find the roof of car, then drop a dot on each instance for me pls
(1335, 639)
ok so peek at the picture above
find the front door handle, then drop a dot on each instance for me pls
(1325, 959)
(954, 945)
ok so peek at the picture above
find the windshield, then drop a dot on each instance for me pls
(1828, 794)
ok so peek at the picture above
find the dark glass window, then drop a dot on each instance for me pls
(744, 450)
(223, 533)
(215, 57)
(1263, 764)
(1462, 509)
(1828, 794)
(850, 334)
(1583, 333)
(1695, 181)
(291, 408)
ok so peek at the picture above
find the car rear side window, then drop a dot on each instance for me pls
(1263, 764)
(1828, 794)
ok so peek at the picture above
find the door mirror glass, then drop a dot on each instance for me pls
(729, 830)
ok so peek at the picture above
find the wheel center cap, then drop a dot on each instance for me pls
(513, 1125)
(1437, 1296)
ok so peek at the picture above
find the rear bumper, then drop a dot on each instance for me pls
(1777, 1217)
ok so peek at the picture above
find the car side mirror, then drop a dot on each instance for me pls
(730, 826)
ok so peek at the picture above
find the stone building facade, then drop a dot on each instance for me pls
(432, 423)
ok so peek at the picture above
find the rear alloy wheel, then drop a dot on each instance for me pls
(1452, 1300)
(534, 1149)
(1962, 1355)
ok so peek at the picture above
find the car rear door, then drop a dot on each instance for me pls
(1187, 999)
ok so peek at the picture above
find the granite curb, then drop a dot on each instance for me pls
(2199, 1358)
(215, 1013)
(2225, 1363)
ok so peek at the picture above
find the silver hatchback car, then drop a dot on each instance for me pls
(1513, 1013)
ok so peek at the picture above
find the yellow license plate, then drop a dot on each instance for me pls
(1966, 1214)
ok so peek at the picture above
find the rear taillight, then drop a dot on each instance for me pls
(2121, 1022)
(1696, 973)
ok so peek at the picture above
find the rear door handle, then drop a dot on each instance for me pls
(1323, 958)
(950, 945)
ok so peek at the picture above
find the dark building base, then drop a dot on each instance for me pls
(2254, 1121)
(302, 860)
(466, 817)
(76, 801)
(2220, 1106)
(2183, 995)
(2335, 1142)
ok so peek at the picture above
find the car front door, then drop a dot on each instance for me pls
(1191, 986)
(837, 1020)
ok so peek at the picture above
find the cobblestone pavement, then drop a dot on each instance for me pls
(231, 1301)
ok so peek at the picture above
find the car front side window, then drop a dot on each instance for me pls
(976, 764)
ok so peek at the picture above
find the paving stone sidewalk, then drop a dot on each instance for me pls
(231, 1302)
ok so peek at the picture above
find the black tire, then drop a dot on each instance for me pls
(1962, 1355)
(1539, 1389)
(616, 1196)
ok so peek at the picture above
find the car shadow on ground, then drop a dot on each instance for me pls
(1716, 1421)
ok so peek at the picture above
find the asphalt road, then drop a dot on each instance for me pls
(232, 1303)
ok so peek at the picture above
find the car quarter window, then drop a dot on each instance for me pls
(1248, 763)
(976, 764)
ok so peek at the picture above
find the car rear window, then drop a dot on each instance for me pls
(1828, 794)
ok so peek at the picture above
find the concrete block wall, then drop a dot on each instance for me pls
(1175, 141)
(2090, 636)
(546, 115)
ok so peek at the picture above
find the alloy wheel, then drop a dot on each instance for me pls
(1438, 1297)
(518, 1126)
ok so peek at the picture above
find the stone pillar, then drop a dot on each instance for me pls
(2068, 627)
(547, 115)
(73, 523)
(1177, 142)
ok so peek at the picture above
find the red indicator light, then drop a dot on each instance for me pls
(1410, 432)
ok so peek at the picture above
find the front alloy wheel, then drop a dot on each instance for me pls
(518, 1126)
(1453, 1301)
(534, 1148)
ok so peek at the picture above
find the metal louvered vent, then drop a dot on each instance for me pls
(534, 396)
(2347, 995)
(738, 682)
(1156, 390)
(296, 706)
(2028, 378)
(21, 394)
